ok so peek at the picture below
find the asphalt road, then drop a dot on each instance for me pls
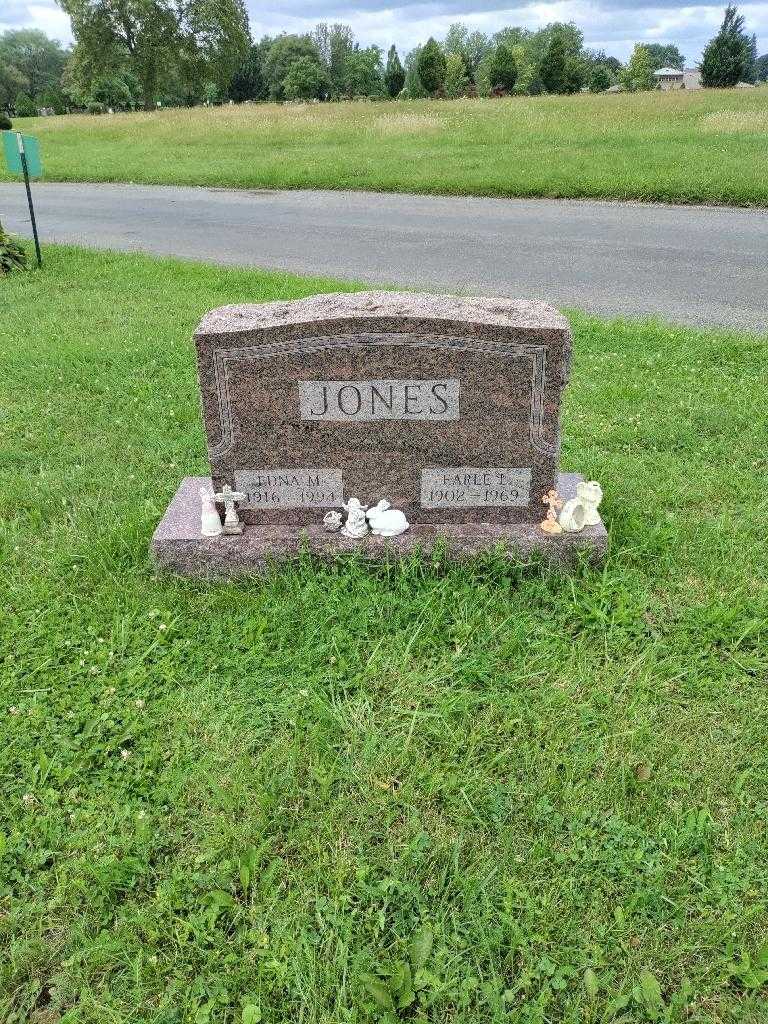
(697, 265)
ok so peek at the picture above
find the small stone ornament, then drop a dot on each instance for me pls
(386, 521)
(356, 526)
(332, 522)
(572, 516)
(210, 521)
(229, 499)
(591, 494)
(554, 502)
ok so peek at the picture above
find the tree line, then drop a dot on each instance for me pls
(132, 54)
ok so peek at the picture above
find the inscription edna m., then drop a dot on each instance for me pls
(290, 488)
(367, 400)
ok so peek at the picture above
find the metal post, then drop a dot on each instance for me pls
(23, 156)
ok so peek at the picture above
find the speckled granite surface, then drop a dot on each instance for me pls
(178, 547)
(507, 362)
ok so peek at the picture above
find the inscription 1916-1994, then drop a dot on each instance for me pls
(368, 400)
(291, 488)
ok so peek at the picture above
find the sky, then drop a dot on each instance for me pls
(610, 25)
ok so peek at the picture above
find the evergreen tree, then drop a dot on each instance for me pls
(762, 68)
(726, 57)
(248, 81)
(600, 80)
(456, 78)
(552, 70)
(394, 76)
(637, 76)
(413, 88)
(503, 69)
(431, 67)
(750, 74)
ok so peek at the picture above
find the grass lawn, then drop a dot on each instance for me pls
(709, 146)
(266, 802)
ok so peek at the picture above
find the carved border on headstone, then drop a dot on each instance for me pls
(224, 358)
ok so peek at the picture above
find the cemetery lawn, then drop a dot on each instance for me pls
(432, 793)
(709, 146)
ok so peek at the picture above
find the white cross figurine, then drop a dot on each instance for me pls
(229, 498)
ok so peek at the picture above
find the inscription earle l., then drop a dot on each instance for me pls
(368, 400)
(472, 487)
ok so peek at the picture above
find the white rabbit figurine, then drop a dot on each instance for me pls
(386, 521)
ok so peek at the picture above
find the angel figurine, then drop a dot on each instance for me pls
(356, 525)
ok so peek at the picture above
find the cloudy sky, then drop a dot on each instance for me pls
(612, 25)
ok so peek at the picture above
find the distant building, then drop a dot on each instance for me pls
(674, 78)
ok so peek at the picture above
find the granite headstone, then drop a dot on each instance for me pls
(448, 408)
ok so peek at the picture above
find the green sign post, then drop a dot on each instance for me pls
(22, 156)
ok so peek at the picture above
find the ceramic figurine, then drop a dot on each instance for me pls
(591, 494)
(228, 498)
(572, 516)
(210, 522)
(386, 521)
(356, 525)
(553, 502)
(332, 522)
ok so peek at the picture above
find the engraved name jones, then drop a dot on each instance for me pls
(367, 400)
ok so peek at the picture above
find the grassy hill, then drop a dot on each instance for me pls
(694, 147)
(237, 803)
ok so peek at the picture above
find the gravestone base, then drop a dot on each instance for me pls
(178, 547)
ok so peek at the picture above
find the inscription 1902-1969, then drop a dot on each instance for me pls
(367, 400)
(471, 487)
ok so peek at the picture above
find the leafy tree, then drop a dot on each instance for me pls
(12, 82)
(762, 68)
(25, 106)
(305, 80)
(726, 57)
(112, 92)
(215, 39)
(431, 67)
(472, 47)
(569, 35)
(456, 78)
(637, 76)
(600, 80)
(503, 69)
(394, 76)
(159, 41)
(364, 72)
(284, 52)
(36, 59)
(662, 56)
(335, 44)
(110, 35)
